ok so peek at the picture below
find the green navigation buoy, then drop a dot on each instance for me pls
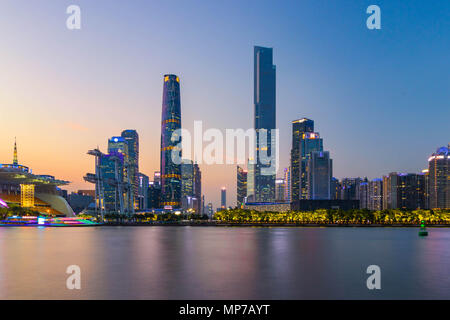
(423, 230)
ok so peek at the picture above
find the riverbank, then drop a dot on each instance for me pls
(271, 225)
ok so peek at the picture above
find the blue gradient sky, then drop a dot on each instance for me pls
(380, 99)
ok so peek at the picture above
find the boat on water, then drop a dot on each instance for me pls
(40, 221)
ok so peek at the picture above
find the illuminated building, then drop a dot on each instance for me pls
(157, 178)
(20, 187)
(320, 172)
(113, 188)
(376, 194)
(304, 142)
(223, 198)
(335, 189)
(439, 179)
(265, 119)
(287, 181)
(154, 195)
(241, 186)
(349, 188)
(132, 139)
(198, 205)
(404, 191)
(280, 188)
(187, 178)
(363, 194)
(144, 182)
(170, 138)
(251, 180)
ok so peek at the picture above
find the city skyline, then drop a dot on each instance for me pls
(372, 141)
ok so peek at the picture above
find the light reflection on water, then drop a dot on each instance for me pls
(223, 263)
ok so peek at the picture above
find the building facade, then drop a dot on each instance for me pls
(170, 142)
(320, 173)
(265, 124)
(304, 142)
(132, 139)
(439, 179)
(241, 186)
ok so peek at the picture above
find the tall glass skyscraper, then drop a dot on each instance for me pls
(132, 139)
(304, 142)
(265, 118)
(170, 122)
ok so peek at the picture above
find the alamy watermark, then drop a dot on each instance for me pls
(237, 146)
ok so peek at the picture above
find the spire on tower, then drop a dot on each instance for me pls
(15, 162)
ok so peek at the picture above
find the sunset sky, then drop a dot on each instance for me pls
(379, 98)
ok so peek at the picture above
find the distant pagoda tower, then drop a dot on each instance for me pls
(15, 162)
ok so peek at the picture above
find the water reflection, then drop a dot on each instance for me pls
(223, 263)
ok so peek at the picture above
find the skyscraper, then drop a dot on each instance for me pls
(280, 187)
(320, 172)
(187, 178)
(304, 142)
(376, 194)
(287, 181)
(143, 186)
(223, 198)
(439, 179)
(170, 123)
(132, 139)
(265, 119)
(198, 190)
(404, 191)
(241, 186)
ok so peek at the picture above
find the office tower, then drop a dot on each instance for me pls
(157, 178)
(287, 181)
(111, 170)
(198, 189)
(170, 141)
(223, 198)
(280, 189)
(187, 178)
(439, 179)
(132, 139)
(154, 195)
(142, 198)
(241, 186)
(376, 194)
(335, 189)
(363, 194)
(320, 172)
(251, 180)
(304, 142)
(349, 188)
(404, 191)
(265, 119)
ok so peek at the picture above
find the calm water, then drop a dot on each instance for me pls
(223, 263)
